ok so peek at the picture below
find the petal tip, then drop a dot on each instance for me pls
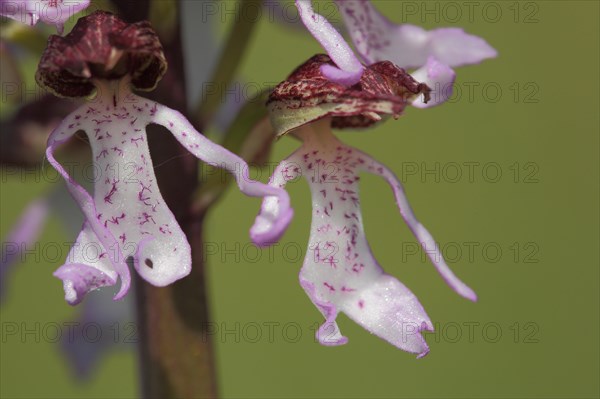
(265, 233)
(424, 353)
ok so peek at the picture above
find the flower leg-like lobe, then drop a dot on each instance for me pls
(329, 333)
(55, 12)
(349, 69)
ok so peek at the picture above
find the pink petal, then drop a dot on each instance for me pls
(455, 47)
(440, 79)
(21, 237)
(377, 39)
(349, 68)
(329, 333)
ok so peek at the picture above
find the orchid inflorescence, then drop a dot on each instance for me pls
(103, 59)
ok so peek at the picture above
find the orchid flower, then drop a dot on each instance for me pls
(25, 232)
(377, 39)
(115, 318)
(339, 273)
(53, 12)
(126, 219)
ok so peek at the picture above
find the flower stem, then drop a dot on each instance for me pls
(233, 53)
(176, 356)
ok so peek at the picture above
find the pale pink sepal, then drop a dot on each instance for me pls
(409, 46)
(439, 78)
(349, 68)
(271, 228)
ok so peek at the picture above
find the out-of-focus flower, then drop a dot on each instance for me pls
(22, 236)
(52, 12)
(127, 221)
(84, 348)
(376, 38)
(339, 272)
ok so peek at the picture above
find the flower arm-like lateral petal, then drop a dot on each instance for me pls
(92, 227)
(24, 233)
(349, 69)
(420, 232)
(53, 13)
(214, 154)
(271, 211)
(377, 39)
(439, 77)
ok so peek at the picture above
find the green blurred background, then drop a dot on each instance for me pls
(532, 115)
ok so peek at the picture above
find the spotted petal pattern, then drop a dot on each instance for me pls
(340, 273)
(127, 220)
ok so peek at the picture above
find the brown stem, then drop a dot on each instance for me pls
(176, 356)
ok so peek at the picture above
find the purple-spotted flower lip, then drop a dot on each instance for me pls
(101, 46)
(308, 95)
